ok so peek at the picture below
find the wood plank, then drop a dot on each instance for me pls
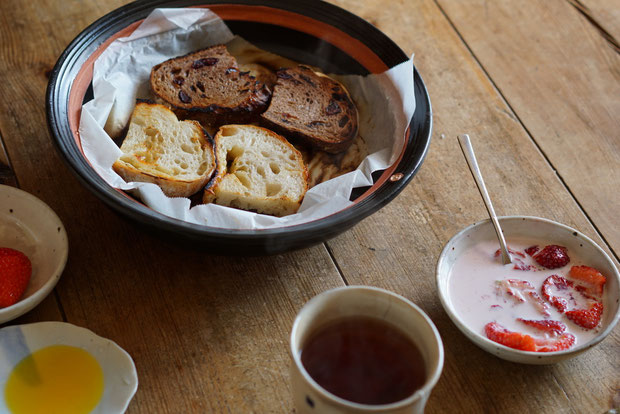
(397, 248)
(207, 333)
(563, 81)
(6, 172)
(605, 14)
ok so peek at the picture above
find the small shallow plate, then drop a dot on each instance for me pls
(308, 31)
(29, 225)
(535, 228)
(119, 380)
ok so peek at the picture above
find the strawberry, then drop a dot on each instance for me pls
(15, 272)
(512, 252)
(531, 250)
(521, 291)
(589, 276)
(564, 341)
(520, 265)
(587, 318)
(551, 327)
(559, 283)
(524, 342)
(497, 333)
(552, 256)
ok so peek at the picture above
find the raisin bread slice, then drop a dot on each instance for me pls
(208, 85)
(258, 170)
(313, 108)
(176, 155)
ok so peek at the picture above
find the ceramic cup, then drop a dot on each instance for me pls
(329, 306)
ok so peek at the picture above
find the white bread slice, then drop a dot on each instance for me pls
(257, 170)
(176, 155)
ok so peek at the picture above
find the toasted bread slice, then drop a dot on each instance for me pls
(176, 155)
(208, 85)
(313, 108)
(258, 170)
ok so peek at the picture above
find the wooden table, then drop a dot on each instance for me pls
(536, 83)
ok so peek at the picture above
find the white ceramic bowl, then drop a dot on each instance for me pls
(28, 224)
(17, 342)
(536, 228)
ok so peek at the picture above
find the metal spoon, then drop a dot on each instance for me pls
(468, 152)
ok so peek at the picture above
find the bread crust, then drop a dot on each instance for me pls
(170, 185)
(207, 85)
(312, 108)
(278, 206)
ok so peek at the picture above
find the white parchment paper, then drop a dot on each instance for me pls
(121, 74)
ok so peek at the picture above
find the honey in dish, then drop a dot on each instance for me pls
(56, 379)
(364, 360)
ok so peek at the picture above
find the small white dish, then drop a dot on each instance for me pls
(536, 228)
(29, 225)
(117, 380)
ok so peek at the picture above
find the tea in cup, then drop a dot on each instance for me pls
(362, 349)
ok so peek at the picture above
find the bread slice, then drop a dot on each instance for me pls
(313, 108)
(207, 84)
(258, 170)
(176, 155)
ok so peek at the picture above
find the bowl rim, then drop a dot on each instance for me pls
(26, 304)
(423, 391)
(485, 343)
(417, 142)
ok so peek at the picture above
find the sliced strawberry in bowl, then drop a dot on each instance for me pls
(562, 342)
(584, 311)
(522, 291)
(552, 256)
(594, 279)
(587, 318)
(511, 251)
(525, 342)
(551, 286)
(532, 250)
(497, 333)
(545, 325)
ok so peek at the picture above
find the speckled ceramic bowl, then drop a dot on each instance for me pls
(27, 224)
(308, 31)
(536, 228)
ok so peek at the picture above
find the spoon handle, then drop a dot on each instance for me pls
(470, 157)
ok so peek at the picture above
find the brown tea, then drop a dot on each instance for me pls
(364, 360)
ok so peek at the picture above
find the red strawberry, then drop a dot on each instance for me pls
(531, 250)
(587, 318)
(519, 265)
(497, 333)
(15, 272)
(552, 256)
(559, 283)
(522, 290)
(551, 327)
(564, 341)
(590, 276)
(512, 252)
(524, 342)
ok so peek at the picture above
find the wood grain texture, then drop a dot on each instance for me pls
(605, 14)
(397, 248)
(207, 333)
(563, 82)
(6, 172)
(210, 333)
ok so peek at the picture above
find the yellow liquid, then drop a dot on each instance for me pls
(57, 379)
